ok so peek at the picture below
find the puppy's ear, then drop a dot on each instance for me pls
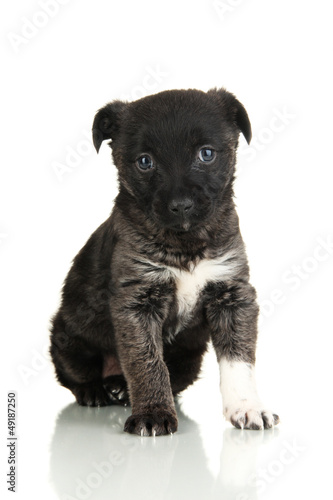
(235, 111)
(107, 122)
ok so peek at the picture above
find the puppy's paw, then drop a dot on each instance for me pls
(116, 387)
(92, 394)
(154, 423)
(251, 416)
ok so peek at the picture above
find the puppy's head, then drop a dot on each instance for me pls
(175, 152)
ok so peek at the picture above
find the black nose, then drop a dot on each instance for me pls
(181, 207)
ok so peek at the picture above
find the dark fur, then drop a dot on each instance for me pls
(113, 338)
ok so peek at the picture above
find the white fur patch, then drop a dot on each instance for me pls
(190, 283)
(241, 403)
(237, 383)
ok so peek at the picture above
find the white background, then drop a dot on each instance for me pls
(58, 68)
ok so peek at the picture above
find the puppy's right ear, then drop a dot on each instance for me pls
(107, 122)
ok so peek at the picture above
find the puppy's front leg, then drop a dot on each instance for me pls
(138, 317)
(232, 312)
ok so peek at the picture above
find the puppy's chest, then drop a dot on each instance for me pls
(190, 284)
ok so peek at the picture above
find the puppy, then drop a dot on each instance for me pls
(167, 272)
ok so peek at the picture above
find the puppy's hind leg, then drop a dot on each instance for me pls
(114, 381)
(78, 367)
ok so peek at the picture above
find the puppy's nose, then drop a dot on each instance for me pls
(181, 207)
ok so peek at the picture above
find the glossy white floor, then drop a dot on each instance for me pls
(69, 452)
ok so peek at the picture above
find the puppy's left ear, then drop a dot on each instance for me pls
(107, 122)
(235, 111)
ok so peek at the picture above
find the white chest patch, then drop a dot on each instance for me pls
(190, 283)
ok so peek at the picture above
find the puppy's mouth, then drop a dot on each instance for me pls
(186, 225)
(182, 225)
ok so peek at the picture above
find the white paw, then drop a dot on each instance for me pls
(250, 416)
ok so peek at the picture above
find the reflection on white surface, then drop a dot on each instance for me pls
(92, 458)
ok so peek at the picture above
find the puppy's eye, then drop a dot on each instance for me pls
(144, 162)
(207, 154)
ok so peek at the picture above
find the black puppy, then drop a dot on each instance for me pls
(167, 272)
